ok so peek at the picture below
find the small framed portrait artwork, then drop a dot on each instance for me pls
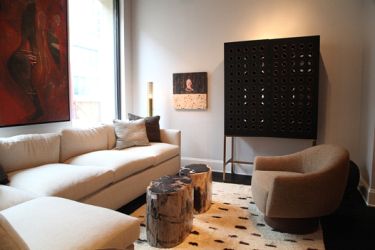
(190, 90)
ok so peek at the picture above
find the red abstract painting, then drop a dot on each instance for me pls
(34, 78)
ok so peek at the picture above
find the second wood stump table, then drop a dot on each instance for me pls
(201, 177)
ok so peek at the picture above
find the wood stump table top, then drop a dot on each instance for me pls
(194, 168)
(168, 184)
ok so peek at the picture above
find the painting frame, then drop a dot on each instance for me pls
(190, 91)
(34, 62)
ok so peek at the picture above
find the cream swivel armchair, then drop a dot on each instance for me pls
(293, 191)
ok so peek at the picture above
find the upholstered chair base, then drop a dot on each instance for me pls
(294, 225)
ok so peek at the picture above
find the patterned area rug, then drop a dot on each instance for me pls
(234, 222)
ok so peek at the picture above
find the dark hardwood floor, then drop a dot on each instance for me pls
(350, 227)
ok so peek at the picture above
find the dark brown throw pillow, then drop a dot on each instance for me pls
(152, 126)
(3, 176)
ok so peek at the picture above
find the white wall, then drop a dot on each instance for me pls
(171, 36)
(367, 147)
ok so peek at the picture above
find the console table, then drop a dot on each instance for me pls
(231, 160)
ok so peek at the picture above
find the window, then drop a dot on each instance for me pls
(93, 36)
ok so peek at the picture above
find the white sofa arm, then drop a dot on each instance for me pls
(171, 136)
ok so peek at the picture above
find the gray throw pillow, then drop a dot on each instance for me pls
(130, 133)
(152, 126)
(3, 176)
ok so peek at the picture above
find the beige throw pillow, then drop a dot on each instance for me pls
(130, 133)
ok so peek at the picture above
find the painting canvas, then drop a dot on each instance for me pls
(34, 79)
(190, 90)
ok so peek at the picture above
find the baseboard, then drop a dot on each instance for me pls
(217, 165)
(368, 194)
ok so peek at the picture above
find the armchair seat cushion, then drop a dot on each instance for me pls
(262, 182)
(56, 223)
(63, 180)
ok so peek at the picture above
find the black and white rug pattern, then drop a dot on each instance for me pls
(233, 222)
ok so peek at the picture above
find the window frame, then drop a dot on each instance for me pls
(117, 50)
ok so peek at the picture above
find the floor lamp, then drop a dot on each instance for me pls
(150, 93)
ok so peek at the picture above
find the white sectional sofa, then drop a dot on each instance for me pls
(81, 165)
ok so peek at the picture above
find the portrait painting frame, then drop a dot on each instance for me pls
(190, 91)
(34, 62)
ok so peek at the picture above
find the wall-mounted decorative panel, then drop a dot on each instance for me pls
(271, 87)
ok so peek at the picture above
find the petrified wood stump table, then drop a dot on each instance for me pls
(201, 177)
(169, 211)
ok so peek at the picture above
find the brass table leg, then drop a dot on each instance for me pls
(225, 156)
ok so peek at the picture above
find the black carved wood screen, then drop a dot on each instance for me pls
(271, 87)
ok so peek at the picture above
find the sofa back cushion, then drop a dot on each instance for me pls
(9, 238)
(76, 141)
(27, 151)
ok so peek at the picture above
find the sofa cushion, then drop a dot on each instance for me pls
(152, 126)
(159, 151)
(121, 162)
(130, 133)
(9, 238)
(262, 182)
(10, 196)
(27, 151)
(63, 180)
(76, 141)
(56, 223)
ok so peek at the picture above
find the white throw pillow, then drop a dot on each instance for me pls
(130, 133)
